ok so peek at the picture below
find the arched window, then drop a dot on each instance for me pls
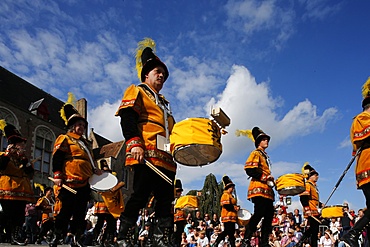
(10, 118)
(43, 149)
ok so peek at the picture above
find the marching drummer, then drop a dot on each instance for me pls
(179, 215)
(72, 166)
(229, 212)
(146, 122)
(310, 203)
(260, 189)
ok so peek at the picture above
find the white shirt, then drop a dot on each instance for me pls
(203, 241)
(326, 242)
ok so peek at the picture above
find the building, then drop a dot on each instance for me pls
(36, 114)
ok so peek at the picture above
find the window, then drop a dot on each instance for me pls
(10, 118)
(43, 150)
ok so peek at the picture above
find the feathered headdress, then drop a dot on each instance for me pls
(247, 133)
(11, 132)
(40, 186)
(69, 113)
(146, 60)
(366, 93)
(308, 170)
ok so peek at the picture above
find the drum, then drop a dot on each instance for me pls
(188, 202)
(196, 142)
(290, 184)
(103, 182)
(335, 211)
(243, 217)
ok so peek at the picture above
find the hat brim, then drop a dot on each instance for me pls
(74, 118)
(229, 185)
(260, 137)
(150, 65)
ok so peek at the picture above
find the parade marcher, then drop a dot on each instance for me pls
(15, 186)
(103, 215)
(360, 137)
(46, 204)
(146, 122)
(260, 189)
(73, 165)
(311, 204)
(229, 212)
(179, 216)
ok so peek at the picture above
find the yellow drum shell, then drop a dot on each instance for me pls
(196, 142)
(335, 211)
(243, 217)
(290, 184)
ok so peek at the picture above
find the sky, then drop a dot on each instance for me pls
(294, 68)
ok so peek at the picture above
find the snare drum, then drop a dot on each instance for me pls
(335, 211)
(196, 142)
(290, 184)
(243, 217)
(103, 182)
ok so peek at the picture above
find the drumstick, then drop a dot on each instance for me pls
(316, 219)
(156, 170)
(65, 187)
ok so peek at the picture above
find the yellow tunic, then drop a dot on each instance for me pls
(259, 187)
(15, 183)
(360, 130)
(313, 202)
(226, 215)
(47, 208)
(77, 168)
(151, 124)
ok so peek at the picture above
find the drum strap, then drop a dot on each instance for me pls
(266, 157)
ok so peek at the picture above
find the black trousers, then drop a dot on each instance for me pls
(13, 211)
(147, 181)
(312, 231)
(229, 230)
(110, 227)
(263, 207)
(73, 205)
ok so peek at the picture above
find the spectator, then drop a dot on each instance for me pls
(31, 218)
(144, 235)
(334, 227)
(297, 217)
(202, 240)
(345, 221)
(327, 240)
(289, 240)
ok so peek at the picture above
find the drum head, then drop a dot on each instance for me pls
(196, 154)
(103, 182)
(292, 190)
(244, 214)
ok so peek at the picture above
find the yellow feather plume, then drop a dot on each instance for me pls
(366, 88)
(146, 42)
(2, 125)
(304, 170)
(72, 101)
(37, 185)
(247, 133)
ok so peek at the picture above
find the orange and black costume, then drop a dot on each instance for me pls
(262, 195)
(71, 163)
(142, 119)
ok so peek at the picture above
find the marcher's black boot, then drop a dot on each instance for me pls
(124, 238)
(16, 238)
(55, 240)
(351, 237)
(162, 232)
(301, 241)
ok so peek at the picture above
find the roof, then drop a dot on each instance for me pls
(22, 99)
(109, 150)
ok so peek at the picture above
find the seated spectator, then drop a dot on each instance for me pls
(327, 240)
(289, 240)
(202, 239)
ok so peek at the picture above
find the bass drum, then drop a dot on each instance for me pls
(290, 184)
(335, 211)
(196, 142)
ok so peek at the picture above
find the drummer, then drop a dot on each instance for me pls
(179, 216)
(310, 203)
(260, 189)
(145, 118)
(72, 166)
(229, 212)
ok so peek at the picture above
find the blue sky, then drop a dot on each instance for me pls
(293, 68)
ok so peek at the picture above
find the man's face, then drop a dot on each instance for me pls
(155, 78)
(264, 143)
(79, 127)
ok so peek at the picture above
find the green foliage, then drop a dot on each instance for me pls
(209, 201)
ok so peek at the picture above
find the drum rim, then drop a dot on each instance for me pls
(196, 144)
(107, 175)
(290, 188)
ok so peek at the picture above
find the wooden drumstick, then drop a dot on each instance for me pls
(316, 219)
(156, 170)
(65, 186)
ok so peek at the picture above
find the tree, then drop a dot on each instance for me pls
(209, 200)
